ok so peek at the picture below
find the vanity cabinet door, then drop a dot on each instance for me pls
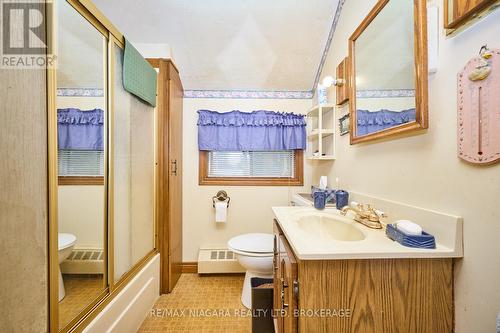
(278, 320)
(289, 286)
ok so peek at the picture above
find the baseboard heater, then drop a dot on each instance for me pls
(217, 260)
(84, 261)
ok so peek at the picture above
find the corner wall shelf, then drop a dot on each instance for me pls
(321, 132)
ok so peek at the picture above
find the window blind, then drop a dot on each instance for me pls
(272, 164)
(80, 162)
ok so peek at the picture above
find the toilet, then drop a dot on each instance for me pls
(66, 242)
(255, 253)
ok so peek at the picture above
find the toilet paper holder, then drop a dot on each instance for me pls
(221, 196)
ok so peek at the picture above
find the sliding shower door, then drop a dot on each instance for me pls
(82, 108)
(133, 173)
(102, 151)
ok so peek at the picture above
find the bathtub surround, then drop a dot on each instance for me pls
(423, 170)
(128, 309)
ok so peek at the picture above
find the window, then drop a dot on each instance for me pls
(80, 167)
(251, 168)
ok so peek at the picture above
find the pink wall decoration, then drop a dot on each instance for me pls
(479, 109)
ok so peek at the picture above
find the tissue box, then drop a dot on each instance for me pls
(330, 193)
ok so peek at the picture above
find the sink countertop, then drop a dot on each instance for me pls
(376, 245)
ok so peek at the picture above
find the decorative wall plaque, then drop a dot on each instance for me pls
(479, 108)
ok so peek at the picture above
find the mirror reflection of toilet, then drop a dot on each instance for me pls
(255, 253)
(66, 242)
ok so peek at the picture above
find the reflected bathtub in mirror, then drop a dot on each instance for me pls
(388, 54)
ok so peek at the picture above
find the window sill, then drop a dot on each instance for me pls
(231, 181)
(250, 181)
(80, 180)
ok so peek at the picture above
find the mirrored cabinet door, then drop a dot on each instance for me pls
(388, 53)
(81, 159)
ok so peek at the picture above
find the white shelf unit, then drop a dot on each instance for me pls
(321, 132)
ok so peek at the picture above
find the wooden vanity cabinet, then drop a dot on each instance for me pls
(361, 295)
(285, 284)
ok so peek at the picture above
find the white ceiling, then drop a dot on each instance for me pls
(232, 44)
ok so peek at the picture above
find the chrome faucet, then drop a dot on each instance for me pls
(366, 215)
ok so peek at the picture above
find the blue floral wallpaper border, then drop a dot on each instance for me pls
(390, 93)
(328, 44)
(248, 94)
(80, 92)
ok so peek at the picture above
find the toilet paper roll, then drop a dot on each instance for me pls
(221, 212)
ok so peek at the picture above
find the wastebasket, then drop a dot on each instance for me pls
(262, 305)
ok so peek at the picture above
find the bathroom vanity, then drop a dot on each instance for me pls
(332, 274)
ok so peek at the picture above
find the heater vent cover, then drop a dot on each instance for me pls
(84, 261)
(218, 261)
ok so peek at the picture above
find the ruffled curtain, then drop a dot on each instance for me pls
(370, 122)
(250, 131)
(80, 130)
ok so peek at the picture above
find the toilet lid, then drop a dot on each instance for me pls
(257, 243)
(65, 240)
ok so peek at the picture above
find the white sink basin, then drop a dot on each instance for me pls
(329, 227)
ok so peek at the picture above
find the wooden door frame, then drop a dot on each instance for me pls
(162, 169)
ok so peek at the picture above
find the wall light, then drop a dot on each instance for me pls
(329, 81)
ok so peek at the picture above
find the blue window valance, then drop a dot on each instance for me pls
(250, 131)
(370, 122)
(80, 130)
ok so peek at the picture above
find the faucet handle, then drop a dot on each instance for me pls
(380, 213)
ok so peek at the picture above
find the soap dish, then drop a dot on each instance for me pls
(424, 241)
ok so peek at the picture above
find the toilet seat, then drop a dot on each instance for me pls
(65, 240)
(253, 244)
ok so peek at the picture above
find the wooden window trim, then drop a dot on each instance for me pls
(298, 180)
(81, 180)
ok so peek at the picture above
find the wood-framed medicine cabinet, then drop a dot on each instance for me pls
(388, 71)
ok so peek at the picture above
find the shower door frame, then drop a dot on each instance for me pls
(112, 38)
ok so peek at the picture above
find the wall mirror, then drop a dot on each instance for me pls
(388, 54)
(81, 105)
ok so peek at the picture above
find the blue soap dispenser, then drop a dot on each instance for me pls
(341, 199)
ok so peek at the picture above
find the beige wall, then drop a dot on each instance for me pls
(250, 209)
(423, 170)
